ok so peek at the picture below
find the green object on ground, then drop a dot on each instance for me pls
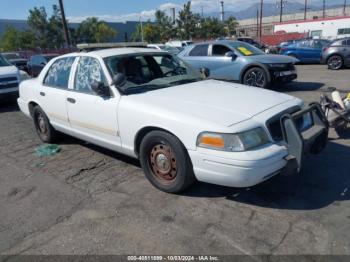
(47, 150)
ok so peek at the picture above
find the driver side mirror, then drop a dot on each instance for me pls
(205, 72)
(231, 54)
(100, 89)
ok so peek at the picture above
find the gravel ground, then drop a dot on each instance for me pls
(88, 200)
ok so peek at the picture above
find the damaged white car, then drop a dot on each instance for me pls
(152, 106)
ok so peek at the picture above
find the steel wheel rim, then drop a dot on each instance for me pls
(335, 62)
(163, 163)
(255, 78)
(41, 124)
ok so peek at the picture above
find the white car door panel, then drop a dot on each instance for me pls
(91, 116)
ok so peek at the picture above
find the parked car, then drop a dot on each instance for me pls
(337, 54)
(37, 62)
(17, 60)
(154, 107)
(241, 62)
(9, 78)
(169, 49)
(179, 44)
(252, 42)
(306, 50)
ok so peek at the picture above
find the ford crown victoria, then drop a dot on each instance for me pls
(150, 105)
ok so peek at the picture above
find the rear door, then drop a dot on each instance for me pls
(93, 117)
(198, 56)
(53, 91)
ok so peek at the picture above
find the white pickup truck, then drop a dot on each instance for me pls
(150, 105)
(9, 78)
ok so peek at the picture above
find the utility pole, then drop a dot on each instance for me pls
(222, 14)
(305, 10)
(202, 11)
(257, 22)
(281, 6)
(173, 14)
(261, 17)
(344, 8)
(141, 29)
(324, 8)
(64, 24)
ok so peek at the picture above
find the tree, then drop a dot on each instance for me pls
(211, 28)
(151, 34)
(231, 25)
(14, 39)
(164, 26)
(37, 22)
(187, 23)
(92, 30)
(55, 31)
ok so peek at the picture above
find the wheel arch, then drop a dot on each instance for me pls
(31, 106)
(143, 132)
(333, 54)
(250, 66)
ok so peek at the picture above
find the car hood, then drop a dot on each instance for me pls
(270, 59)
(8, 70)
(212, 101)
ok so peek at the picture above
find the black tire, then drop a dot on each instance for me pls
(165, 162)
(335, 62)
(256, 77)
(43, 128)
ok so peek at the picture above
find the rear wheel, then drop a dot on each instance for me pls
(335, 62)
(165, 162)
(256, 77)
(44, 129)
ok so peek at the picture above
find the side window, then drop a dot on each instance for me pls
(199, 50)
(220, 50)
(88, 71)
(347, 42)
(58, 74)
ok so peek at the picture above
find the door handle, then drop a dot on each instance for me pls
(42, 93)
(71, 100)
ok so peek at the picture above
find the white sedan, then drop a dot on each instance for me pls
(152, 106)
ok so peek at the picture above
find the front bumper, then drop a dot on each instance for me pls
(246, 169)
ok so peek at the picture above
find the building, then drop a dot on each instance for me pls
(249, 27)
(327, 28)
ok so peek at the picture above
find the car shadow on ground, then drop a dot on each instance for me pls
(324, 180)
(297, 86)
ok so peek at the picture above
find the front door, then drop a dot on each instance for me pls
(92, 116)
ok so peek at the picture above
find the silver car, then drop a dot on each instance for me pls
(337, 54)
(240, 62)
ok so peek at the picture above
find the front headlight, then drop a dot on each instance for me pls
(233, 142)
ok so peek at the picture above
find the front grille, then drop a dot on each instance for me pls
(8, 82)
(8, 79)
(274, 124)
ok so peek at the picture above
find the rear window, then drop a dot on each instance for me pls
(199, 50)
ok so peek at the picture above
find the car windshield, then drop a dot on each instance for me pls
(147, 72)
(245, 49)
(11, 56)
(4, 62)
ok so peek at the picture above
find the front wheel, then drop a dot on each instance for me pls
(256, 77)
(335, 62)
(165, 162)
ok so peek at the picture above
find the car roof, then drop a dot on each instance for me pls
(225, 42)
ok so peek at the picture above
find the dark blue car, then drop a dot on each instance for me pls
(306, 50)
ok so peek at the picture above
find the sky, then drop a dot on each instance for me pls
(123, 10)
